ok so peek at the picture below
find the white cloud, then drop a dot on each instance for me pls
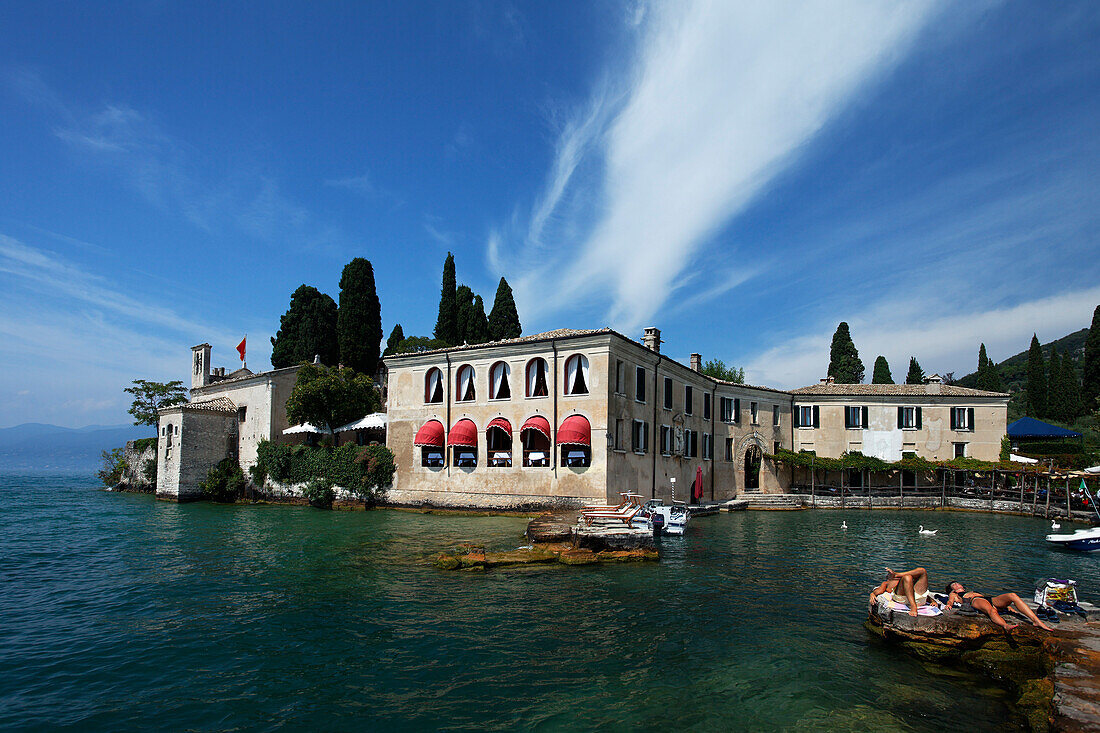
(942, 337)
(723, 97)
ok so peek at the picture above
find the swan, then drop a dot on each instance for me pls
(1055, 525)
(844, 525)
(927, 532)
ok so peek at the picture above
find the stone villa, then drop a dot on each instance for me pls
(576, 416)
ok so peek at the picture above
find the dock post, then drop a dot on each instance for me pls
(1069, 512)
(1048, 494)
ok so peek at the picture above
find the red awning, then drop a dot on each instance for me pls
(499, 422)
(537, 423)
(464, 434)
(575, 430)
(430, 435)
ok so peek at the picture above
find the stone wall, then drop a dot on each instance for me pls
(134, 477)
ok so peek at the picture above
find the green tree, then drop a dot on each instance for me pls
(114, 463)
(397, 335)
(844, 364)
(1075, 407)
(224, 482)
(359, 319)
(916, 374)
(328, 397)
(307, 329)
(415, 344)
(151, 396)
(464, 300)
(478, 325)
(988, 375)
(504, 318)
(1056, 403)
(1036, 380)
(882, 374)
(717, 368)
(1090, 369)
(446, 324)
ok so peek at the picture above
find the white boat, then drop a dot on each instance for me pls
(673, 517)
(1082, 540)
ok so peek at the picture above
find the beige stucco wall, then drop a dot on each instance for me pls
(934, 440)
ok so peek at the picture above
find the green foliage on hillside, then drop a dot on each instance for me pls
(1013, 370)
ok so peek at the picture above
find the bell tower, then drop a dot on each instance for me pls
(200, 365)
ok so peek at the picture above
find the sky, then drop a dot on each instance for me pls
(742, 175)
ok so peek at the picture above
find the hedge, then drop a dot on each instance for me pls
(365, 471)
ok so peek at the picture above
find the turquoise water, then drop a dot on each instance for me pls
(119, 611)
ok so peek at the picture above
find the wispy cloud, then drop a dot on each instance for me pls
(723, 96)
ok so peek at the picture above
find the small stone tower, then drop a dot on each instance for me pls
(200, 365)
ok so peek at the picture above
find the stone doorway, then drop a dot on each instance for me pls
(753, 458)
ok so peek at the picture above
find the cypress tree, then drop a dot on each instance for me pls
(882, 372)
(916, 374)
(1056, 403)
(478, 324)
(397, 335)
(1090, 369)
(1036, 380)
(446, 324)
(1074, 404)
(989, 375)
(307, 329)
(844, 364)
(359, 321)
(464, 310)
(504, 318)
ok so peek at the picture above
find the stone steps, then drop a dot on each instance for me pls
(772, 501)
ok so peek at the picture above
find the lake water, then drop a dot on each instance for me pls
(118, 611)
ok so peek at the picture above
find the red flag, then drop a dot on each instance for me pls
(698, 482)
(240, 347)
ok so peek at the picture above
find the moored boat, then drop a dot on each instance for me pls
(1082, 540)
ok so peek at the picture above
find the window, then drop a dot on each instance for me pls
(725, 405)
(668, 393)
(909, 418)
(775, 414)
(754, 413)
(433, 386)
(639, 384)
(466, 390)
(807, 416)
(431, 457)
(691, 443)
(620, 377)
(708, 446)
(960, 450)
(731, 410)
(536, 443)
(855, 417)
(776, 447)
(498, 444)
(536, 378)
(666, 440)
(576, 375)
(498, 381)
(729, 449)
(640, 436)
(619, 437)
(689, 398)
(962, 418)
(242, 413)
(706, 406)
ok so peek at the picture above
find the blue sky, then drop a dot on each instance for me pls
(742, 175)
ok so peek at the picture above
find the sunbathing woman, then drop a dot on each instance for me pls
(957, 592)
(910, 587)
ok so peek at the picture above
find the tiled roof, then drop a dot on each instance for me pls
(544, 336)
(896, 390)
(218, 404)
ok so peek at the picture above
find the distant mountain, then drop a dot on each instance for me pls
(1014, 368)
(34, 447)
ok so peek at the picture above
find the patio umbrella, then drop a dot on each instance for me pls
(698, 482)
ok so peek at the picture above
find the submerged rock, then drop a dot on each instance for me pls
(545, 554)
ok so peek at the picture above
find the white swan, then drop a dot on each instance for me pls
(1055, 525)
(927, 532)
(844, 525)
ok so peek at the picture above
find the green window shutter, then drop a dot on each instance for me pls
(954, 420)
(794, 416)
(901, 418)
(918, 418)
(970, 418)
(817, 416)
(737, 410)
(864, 410)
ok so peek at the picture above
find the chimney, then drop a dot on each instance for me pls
(828, 380)
(652, 339)
(696, 363)
(934, 383)
(316, 358)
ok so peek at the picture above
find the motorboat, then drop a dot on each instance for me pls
(1082, 540)
(672, 518)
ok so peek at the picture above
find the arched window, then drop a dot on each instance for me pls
(536, 378)
(576, 375)
(429, 439)
(575, 441)
(463, 442)
(433, 385)
(498, 381)
(498, 443)
(465, 377)
(535, 436)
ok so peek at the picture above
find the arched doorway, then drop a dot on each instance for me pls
(753, 457)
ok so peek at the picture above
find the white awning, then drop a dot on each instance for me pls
(1021, 459)
(375, 421)
(1094, 469)
(304, 428)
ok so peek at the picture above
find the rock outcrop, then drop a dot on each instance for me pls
(140, 474)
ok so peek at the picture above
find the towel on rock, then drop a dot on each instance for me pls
(921, 610)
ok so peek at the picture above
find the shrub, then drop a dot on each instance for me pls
(149, 471)
(143, 444)
(225, 481)
(366, 471)
(113, 465)
(319, 491)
